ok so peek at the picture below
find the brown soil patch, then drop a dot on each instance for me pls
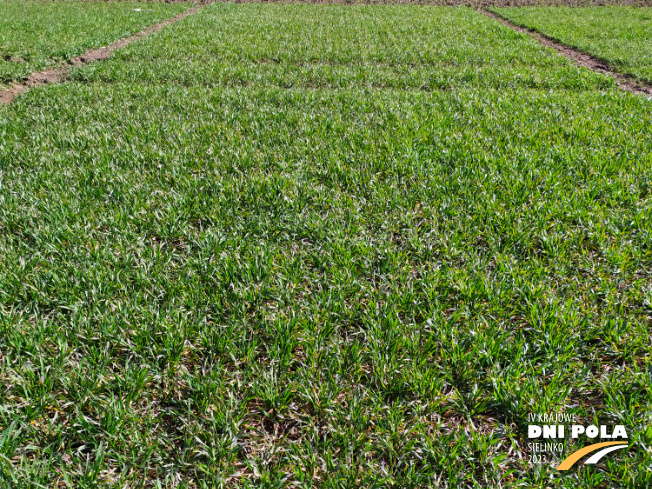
(60, 73)
(13, 58)
(626, 82)
(478, 4)
(443, 3)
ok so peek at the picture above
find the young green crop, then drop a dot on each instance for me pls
(35, 34)
(426, 48)
(212, 282)
(621, 36)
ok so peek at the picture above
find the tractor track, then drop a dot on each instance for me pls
(61, 72)
(625, 82)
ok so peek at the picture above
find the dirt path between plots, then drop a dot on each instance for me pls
(60, 73)
(625, 82)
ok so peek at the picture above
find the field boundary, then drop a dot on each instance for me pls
(60, 73)
(625, 82)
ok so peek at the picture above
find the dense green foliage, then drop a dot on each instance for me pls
(34, 35)
(342, 255)
(344, 47)
(621, 36)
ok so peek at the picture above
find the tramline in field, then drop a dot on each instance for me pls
(35, 35)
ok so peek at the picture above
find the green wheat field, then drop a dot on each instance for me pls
(321, 246)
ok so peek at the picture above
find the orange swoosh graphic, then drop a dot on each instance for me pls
(574, 457)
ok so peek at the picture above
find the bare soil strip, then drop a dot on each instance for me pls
(60, 73)
(457, 3)
(626, 82)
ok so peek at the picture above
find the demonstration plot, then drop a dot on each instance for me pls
(287, 46)
(34, 35)
(219, 280)
(621, 36)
